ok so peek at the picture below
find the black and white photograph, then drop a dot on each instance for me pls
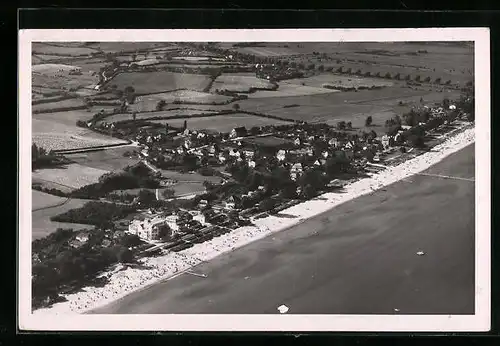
(318, 180)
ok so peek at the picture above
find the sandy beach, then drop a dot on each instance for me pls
(125, 280)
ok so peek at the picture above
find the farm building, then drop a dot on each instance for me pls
(149, 228)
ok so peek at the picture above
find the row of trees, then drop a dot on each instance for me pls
(100, 214)
(61, 266)
(41, 158)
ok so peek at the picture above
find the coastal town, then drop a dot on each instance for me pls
(200, 158)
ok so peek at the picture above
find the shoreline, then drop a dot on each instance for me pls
(124, 282)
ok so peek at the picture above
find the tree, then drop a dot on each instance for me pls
(184, 126)
(168, 193)
(410, 118)
(267, 204)
(341, 125)
(427, 80)
(437, 81)
(129, 93)
(446, 103)
(160, 105)
(130, 240)
(388, 75)
(255, 130)
(368, 121)
(124, 255)
(408, 77)
(417, 78)
(146, 197)
(236, 107)
(349, 125)
(165, 233)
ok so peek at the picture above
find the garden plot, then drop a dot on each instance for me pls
(46, 48)
(160, 81)
(72, 175)
(328, 79)
(148, 103)
(53, 135)
(222, 123)
(240, 82)
(163, 114)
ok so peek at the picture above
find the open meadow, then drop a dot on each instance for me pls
(72, 175)
(63, 80)
(148, 103)
(111, 159)
(222, 123)
(286, 89)
(73, 103)
(61, 49)
(331, 79)
(240, 82)
(43, 226)
(160, 81)
(42, 200)
(163, 114)
(61, 135)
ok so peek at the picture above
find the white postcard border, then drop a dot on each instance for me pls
(370, 323)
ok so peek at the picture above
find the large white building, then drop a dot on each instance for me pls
(149, 228)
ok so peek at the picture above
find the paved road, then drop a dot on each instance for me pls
(358, 258)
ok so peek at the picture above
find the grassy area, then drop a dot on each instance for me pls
(60, 49)
(240, 82)
(109, 160)
(332, 79)
(148, 103)
(55, 135)
(41, 200)
(42, 225)
(59, 105)
(73, 175)
(163, 114)
(222, 123)
(286, 89)
(160, 81)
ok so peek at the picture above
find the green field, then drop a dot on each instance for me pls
(108, 160)
(72, 175)
(240, 82)
(59, 105)
(222, 123)
(163, 114)
(160, 81)
(60, 49)
(148, 103)
(43, 226)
